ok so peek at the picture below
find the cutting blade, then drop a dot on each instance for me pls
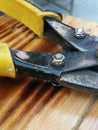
(83, 80)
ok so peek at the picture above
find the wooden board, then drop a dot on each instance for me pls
(28, 104)
(91, 121)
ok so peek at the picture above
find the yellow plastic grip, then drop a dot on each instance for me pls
(6, 63)
(27, 13)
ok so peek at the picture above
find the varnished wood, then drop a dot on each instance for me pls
(91, 120)
(28, 104)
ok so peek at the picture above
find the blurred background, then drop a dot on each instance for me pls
(86, 9)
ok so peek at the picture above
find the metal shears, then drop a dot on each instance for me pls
(75, 67)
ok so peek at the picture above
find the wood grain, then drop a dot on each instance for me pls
(91, 121)
(29, 104)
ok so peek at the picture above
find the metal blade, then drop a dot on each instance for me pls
(64, 36)
(83, 80)
(73, 61)
(80, 60)
(39, 65)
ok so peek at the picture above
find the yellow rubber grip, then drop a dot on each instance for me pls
(7, 68)
(27, 13)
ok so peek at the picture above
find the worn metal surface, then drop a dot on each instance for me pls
(40, 66)
(85, 80)
(64, 36)
(27, 104)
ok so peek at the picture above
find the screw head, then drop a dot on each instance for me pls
(58, 60)
(79, 33)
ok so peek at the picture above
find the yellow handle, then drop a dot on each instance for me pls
(27, 13)
(6, 63)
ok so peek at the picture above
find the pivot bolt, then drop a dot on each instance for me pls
(58, 60)
(79, 33)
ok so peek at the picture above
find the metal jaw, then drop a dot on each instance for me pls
(69, 38)
(58, 68)
(77, 68)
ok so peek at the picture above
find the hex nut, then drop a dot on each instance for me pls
(58, 60)
(79, 33)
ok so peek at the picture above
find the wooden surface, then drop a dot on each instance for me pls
(28, 104)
